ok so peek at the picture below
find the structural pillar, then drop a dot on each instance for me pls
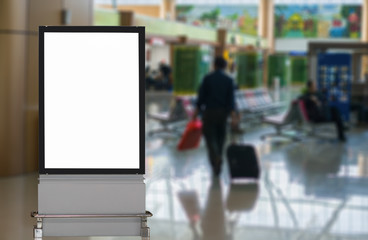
(19, 21)
(168, 11)
(126, 18)
(266, 22)
(221, 41)
(13, 41)
(364, 37)
(182, 39)
(262, 18)
(271, 26)
(266, 31)
(365, 21)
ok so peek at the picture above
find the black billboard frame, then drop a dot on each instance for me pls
(141, 48)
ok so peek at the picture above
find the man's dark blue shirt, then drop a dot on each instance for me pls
(216, 92)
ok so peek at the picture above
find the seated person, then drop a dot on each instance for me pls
(164, 77)
(318, 110)
(150, 81)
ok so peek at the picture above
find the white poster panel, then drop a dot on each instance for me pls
(91, 101)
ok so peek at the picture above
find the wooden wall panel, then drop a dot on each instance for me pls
(19, 21)
(31, 110)
(12, 58)
(44, 12)
(13, 15)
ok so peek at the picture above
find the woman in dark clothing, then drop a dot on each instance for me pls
(216, 102)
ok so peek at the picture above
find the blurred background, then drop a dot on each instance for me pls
(313, 188)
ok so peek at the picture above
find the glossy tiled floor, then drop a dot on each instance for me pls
(314, 189)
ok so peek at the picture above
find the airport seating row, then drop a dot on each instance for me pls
(250, 103)
(284, 121)
(256, 102)
(295, 118)
(171, 121)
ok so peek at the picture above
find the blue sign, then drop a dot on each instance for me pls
(334, 80)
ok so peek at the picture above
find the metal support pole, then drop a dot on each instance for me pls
(37, 230)
(145, 230)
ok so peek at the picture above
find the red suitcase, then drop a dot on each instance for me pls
(191, 136)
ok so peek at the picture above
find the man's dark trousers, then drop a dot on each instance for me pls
(214, 130)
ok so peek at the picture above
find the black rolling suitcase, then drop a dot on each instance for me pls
(243, 161)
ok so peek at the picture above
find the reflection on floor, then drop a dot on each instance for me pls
(313, 189)
(309, 190)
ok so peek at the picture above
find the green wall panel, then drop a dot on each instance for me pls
(191, 64)
(249, 70)
(277, 67)
(298, 70)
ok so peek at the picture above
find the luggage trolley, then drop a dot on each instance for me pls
(38, 228)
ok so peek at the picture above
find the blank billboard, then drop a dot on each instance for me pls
(91, 100)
